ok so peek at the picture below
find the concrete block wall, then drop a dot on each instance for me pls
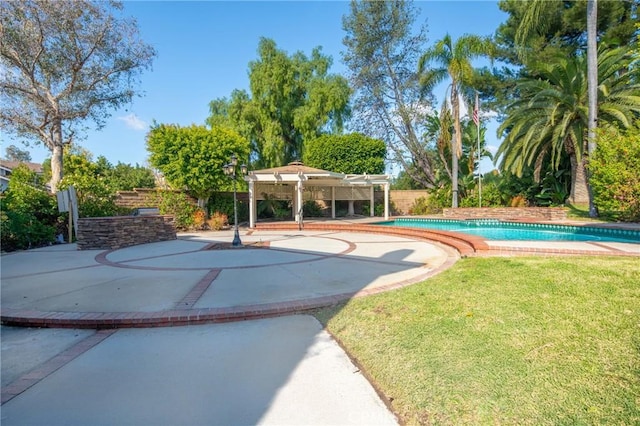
(115, 232)
(403, 200)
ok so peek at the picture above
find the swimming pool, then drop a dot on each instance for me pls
(492, 229)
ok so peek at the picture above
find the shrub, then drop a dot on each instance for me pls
(433, 204)
(615, 180)
(218, 221)
(223, 203)
(491, 197)
(29, 212)
(199, 219)
(378, 209)
(311, 208)
(177, 204)
(21, 230)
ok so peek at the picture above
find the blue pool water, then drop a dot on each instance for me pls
(502, 230)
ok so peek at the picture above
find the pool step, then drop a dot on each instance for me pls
(465, 245)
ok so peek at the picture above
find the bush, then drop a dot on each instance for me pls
(223, 203)
(22, 230)
(29, 213)
(271, 207)
(615, 179)
(199, 219)
(311, 208)
(378, 209)
(178, 205)
(491, 197)
(433, 204)
(218, 221)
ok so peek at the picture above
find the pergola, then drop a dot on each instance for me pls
(299, 183)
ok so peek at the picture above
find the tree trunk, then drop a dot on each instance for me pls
(56, 167)
(57, 151)
(592, 85)
(456, 144)
(579, 190)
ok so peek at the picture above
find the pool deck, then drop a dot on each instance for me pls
(471, 245)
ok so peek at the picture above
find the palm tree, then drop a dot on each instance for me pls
(550, 118)
(454, 60)
(592, 78)
(532, 20)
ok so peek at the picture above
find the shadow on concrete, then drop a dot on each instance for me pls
(283, 370)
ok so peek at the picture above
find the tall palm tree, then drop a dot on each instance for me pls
(532, 20)
(592, 85)
(550, 118)
(453, 61)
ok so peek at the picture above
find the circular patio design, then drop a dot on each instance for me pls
(200, 279)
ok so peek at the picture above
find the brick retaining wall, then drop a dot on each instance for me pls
(511, 213)
(123, 231)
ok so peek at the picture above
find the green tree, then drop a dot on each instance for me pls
(440, 130)
(556, 28)
(614, 173)
(125, 177)
(95, 196)
(192, 157)
(293, 99)
(66, 62)
(354, 153)
(532, 20)
(454, 63)
(550, 117)
(13, 153)
(382, 57)
(542, 30)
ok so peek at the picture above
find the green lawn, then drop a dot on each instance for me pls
(525, 340)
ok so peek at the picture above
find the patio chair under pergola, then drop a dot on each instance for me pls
(298, 183)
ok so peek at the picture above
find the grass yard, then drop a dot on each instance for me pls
(525, 340)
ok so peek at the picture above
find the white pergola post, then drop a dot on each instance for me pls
(333, 202)
(300, 203)
(252, 205)
(372, 198)
(386, 201)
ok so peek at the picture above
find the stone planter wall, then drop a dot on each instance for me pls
(509, 213)
(115, 232)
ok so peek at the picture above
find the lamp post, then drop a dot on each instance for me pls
(231, 170)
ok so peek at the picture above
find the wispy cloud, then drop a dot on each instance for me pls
(134, 122)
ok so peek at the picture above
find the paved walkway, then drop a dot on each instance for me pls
(200, 279)
(272, 370)
(281, 370)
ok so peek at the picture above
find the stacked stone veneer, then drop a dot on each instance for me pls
(122, 231)
(510, 213)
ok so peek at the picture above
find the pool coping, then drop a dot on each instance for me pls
(467, 245)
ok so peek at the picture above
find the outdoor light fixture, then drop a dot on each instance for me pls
(231, 170)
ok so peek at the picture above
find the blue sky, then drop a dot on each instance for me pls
(204, 49)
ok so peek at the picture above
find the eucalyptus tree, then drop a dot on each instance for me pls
(382, 52)
(550, 118)
(452, 61)
(65, 63)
